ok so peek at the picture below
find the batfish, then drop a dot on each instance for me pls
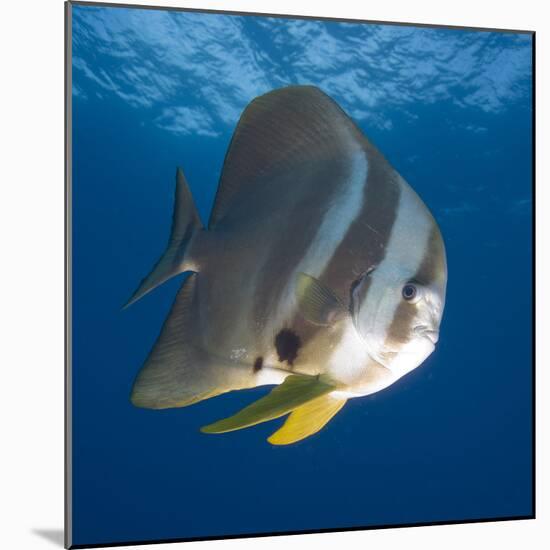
(320, 271)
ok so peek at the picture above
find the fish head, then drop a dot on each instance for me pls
(399, 315)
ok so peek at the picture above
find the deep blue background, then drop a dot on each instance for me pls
(452, 112)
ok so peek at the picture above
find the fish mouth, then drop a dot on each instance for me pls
(427, 332)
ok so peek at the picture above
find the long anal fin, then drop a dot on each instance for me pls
(178, 372)
(295, 391)
(164, 378)
(307, 420)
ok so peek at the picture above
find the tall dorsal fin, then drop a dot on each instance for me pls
(277, 133)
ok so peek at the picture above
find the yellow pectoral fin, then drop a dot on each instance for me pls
(295, 391)
(307, 420)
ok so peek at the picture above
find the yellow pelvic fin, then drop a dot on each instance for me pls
(307, 420)
(296, 390)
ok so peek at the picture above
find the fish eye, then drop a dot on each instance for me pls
(409, 292)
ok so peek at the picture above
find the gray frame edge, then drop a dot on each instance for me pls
(68, 470)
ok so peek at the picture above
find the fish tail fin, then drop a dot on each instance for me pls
(176, 259)
(178, 372)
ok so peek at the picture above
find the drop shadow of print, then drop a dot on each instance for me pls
(55, 536)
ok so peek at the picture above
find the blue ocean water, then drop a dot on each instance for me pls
(451, 110)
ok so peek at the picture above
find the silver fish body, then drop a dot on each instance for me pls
(319, 261)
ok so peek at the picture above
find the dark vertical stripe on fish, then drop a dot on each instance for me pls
(364, 245)
(401, 327)
(430, 269)
(292, 246)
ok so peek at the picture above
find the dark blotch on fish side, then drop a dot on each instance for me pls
(258, 364)
(287, 344)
